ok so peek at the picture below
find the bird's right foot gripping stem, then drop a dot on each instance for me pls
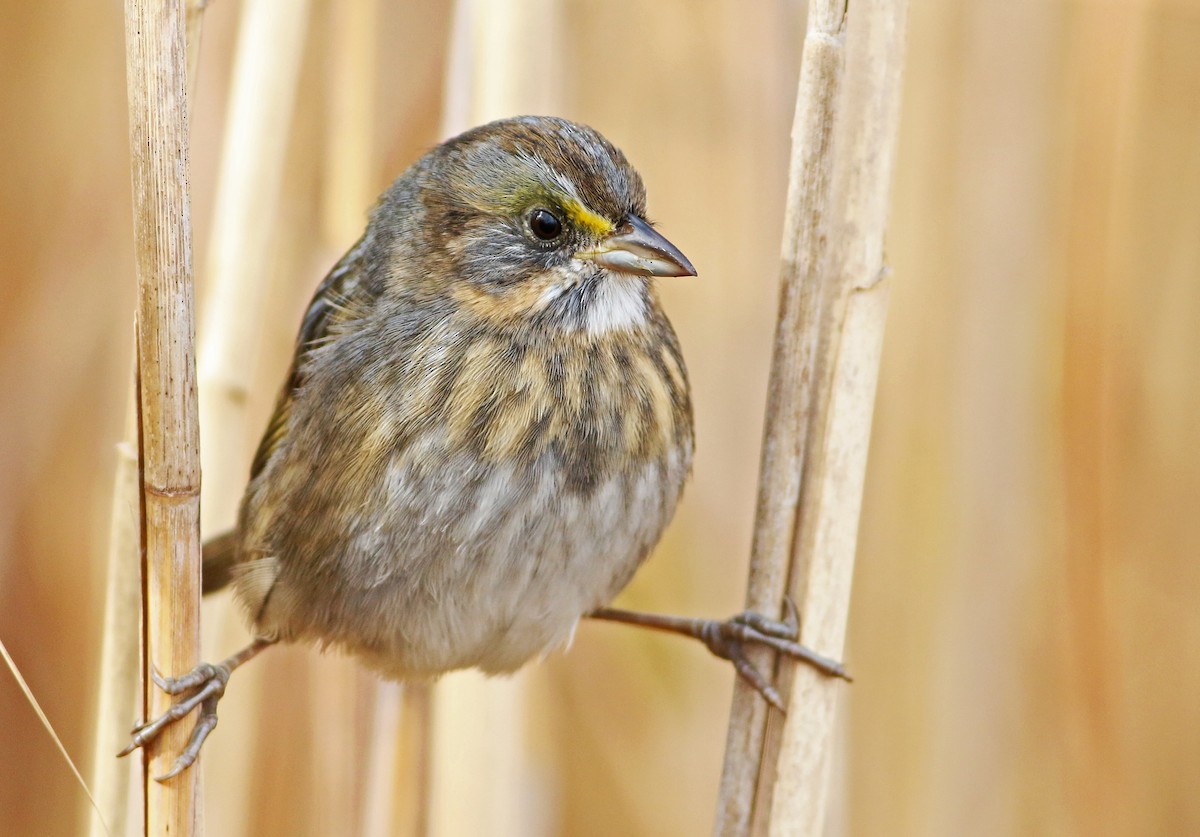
(201, 687)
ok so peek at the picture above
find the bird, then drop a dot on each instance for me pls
(486, 427)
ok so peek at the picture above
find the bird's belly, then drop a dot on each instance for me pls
(488, 566)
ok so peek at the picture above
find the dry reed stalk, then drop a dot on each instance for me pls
(491, 68)
(263, 83)
(381, 766)
(348, 186)
(169, 443)
(119, 653)
(413, 794)
(195, 29)
(479, 776)
(833, 301)
(266, 74)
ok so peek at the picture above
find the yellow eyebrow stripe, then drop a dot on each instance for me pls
(584, 218)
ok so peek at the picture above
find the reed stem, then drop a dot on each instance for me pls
(169, 438)
(833, 301)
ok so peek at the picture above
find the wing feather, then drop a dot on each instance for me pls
(341, 298)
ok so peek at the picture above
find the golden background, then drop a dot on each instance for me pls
(1026, 619)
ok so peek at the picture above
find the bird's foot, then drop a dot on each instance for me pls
(201, 687)
(729, 638)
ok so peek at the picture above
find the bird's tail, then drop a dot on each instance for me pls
(220, 556)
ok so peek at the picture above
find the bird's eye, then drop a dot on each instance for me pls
(545, 225)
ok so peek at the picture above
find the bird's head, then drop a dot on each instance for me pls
(539, 217)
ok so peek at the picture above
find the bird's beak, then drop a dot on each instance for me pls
(636, 248)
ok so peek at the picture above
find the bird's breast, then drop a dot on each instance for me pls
(599, 406)
(502, 491)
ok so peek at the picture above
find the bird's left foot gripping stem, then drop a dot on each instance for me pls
(728, 640)
(201, 687)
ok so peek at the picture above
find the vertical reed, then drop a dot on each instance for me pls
(169, 443)
(119, 654)
(833, 301)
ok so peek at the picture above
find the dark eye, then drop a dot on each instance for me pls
(545, 225)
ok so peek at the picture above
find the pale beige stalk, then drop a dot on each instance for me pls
(790, 392)
(195, 29)
(382, 761)
(156, 68)
(119, 653)
(262, 93)
(832, 309)
(497, 60)
(263, 83)
(349, 166)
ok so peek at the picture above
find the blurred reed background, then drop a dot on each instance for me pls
(1026, 620)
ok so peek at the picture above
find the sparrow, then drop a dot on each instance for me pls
(486, 427)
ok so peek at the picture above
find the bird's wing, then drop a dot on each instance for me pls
(340, 298)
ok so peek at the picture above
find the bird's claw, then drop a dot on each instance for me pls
(201, 687)
(728, 640)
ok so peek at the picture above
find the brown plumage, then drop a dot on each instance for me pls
(482, 435)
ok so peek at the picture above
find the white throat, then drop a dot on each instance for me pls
(619, 304)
